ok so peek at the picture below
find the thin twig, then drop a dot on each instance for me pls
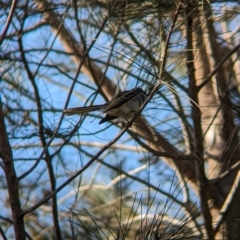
(9, 19)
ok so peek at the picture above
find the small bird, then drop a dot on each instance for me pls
(121, 108)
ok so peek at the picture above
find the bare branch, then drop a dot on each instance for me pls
(9, 19)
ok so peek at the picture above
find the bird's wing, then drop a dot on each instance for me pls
(122, 98)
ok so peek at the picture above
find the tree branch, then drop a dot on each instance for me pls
(9, 19)
(11, 178)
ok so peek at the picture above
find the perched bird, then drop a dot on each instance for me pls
(121, 108)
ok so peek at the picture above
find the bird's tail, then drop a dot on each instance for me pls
(82, 110)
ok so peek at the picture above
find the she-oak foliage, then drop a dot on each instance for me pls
(172, 172)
